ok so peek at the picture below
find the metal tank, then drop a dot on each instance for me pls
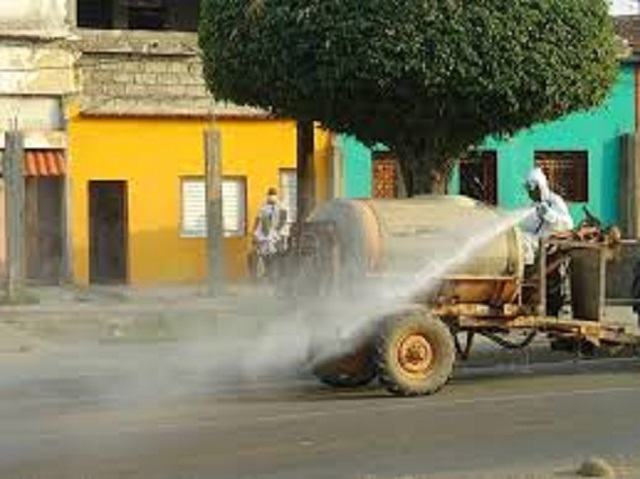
(408, 236)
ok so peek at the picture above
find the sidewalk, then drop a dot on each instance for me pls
(170, 313)
(154, 313)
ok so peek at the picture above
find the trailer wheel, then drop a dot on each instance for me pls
(350, 371)
(416, 354)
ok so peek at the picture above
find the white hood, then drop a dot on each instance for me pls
(537, 178)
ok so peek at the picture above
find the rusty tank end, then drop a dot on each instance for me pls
(392, 237)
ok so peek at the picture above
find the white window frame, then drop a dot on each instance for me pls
(288, 200)
(197, 227)
(193, 227)
(239, 229)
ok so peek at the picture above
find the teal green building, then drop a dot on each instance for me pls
(581, 152)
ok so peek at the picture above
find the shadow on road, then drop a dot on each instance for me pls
(465, 380)
(475, 377)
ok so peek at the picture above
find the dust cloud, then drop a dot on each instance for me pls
(88, 398)
(332, 326)
(275, 344)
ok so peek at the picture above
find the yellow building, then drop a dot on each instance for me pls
(136, 161)
(134, 180)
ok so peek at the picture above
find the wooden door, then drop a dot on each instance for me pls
(108, 235)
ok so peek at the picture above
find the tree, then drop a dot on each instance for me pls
(427, 78)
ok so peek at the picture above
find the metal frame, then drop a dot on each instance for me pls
(487, 321)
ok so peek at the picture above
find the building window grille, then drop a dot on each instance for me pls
(384, 176)
(567, 172)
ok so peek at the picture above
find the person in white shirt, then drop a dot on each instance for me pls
(269, 231)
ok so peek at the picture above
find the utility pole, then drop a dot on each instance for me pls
(215, 228)
(305, 170)
(13, 163)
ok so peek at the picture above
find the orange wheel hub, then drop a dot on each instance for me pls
(415, 354)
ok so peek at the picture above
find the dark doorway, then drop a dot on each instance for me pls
(108, 232)
(44, 228)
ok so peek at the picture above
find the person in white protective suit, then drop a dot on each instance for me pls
(551, 215)
(269, 233)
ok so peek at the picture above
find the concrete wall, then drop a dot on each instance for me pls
(29, 69)
(146, 73)
(34, 17)
(29, 66)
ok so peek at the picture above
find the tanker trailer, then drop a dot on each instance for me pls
(351, 246)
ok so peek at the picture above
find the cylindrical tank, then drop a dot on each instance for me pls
(410, 236)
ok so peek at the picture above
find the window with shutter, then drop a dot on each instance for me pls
(194, 215)
(194, 207)
(234, 215)
(289, 193)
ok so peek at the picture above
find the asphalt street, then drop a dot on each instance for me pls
(65, 416)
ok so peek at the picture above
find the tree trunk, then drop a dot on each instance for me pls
(305, 169)
(422, 177)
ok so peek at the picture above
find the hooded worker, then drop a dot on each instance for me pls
(551, 214)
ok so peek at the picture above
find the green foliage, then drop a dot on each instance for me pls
(428, 78)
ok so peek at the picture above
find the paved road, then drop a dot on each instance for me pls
(65, 417)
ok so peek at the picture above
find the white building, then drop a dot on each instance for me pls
(36, 78)
(625, 7)
(36, 64)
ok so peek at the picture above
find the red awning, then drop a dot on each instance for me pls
(44, 163)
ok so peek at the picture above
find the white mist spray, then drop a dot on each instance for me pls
(335, 326)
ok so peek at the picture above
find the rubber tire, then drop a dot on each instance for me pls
(440, 338)
(350, 371)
